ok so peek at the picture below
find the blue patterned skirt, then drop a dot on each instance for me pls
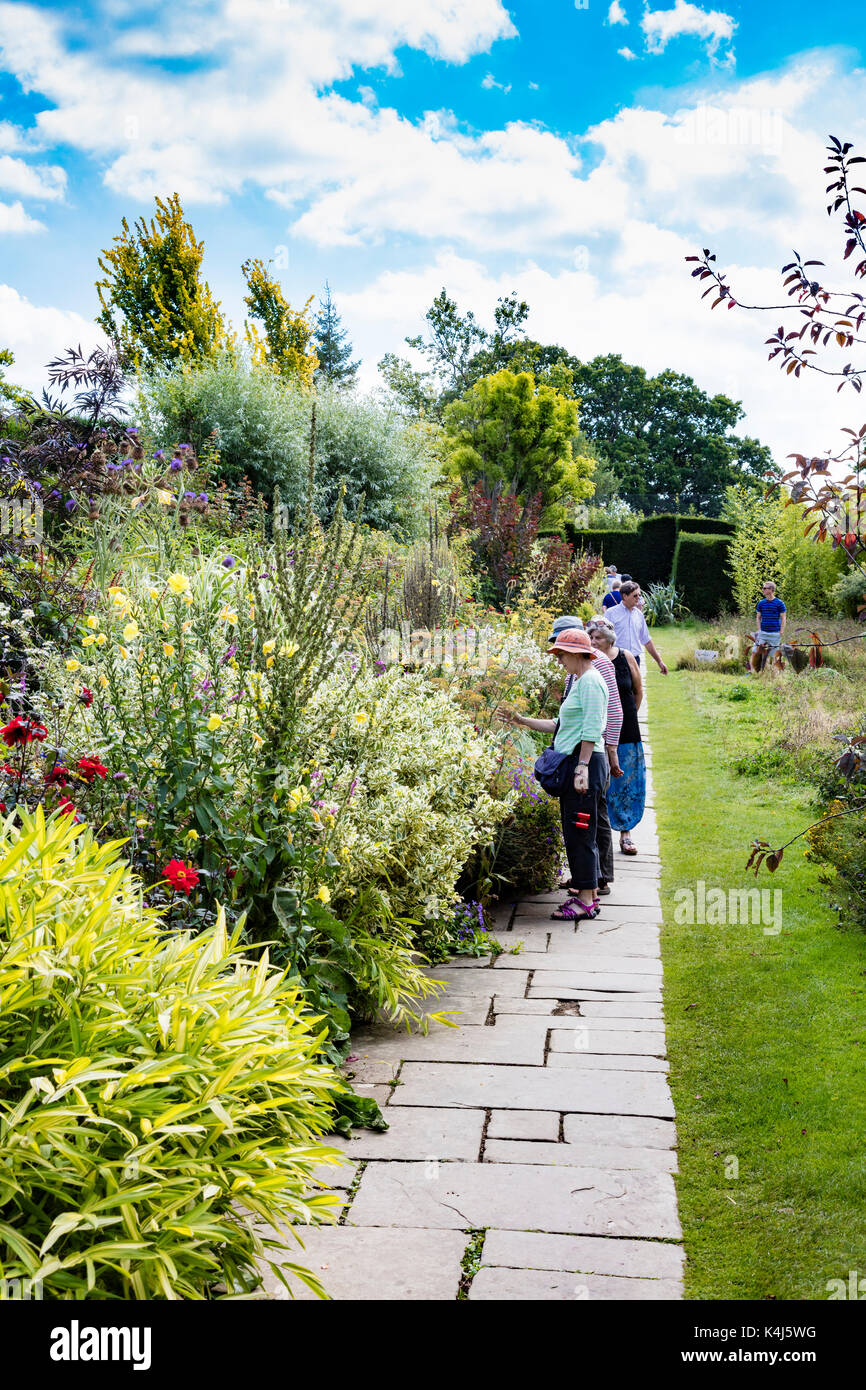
(626, 795)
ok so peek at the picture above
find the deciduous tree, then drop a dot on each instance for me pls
(287, 346)
(156, 307)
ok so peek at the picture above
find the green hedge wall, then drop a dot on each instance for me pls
(700, 572)
(647, 554)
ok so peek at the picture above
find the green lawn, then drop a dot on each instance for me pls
(766, 1033)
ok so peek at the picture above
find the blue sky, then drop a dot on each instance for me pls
(572, 153)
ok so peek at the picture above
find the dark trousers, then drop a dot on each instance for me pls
(604, 837)
(580, 844)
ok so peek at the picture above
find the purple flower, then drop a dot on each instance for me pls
(176, 465)
(229, 562)
(119, 777)
(202, 497)
(189, 496)
(159, 453)
(71, 505)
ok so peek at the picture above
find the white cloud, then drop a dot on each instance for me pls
(713, 26)
(648, 311)
(627, 54)
(489, 82)
(46, 182)
(616, 14)
(13, 218)
(36, 333)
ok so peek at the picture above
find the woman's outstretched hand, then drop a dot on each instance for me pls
(508, 716)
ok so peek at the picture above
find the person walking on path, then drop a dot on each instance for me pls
(627, 795)
(579, 733)
(604, 837)
(772, 616)
(629, 624)
(613, 596)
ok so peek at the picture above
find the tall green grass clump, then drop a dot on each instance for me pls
(159, 1094)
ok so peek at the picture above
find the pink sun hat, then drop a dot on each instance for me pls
(576, 641)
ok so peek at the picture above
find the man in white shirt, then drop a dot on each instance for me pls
(632, 633)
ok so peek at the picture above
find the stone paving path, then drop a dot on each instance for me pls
(545, 1120)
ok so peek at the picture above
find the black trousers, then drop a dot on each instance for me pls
(604, 836)
(580, 844)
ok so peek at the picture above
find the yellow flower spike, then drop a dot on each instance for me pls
(115, 589)
(324, 894)
(288, 649)
(290, 839)
(73, 665)
(124, 652)
(154, 594)
(258, 740)
(165, 498)
(103, 681)
(214, 723)
(186, 627)
(268, 647)
(192, 835)
(101, 640)
(361, 717)
(92, 622)
(269, 663)
(168, 649)
(178, 583)
(131, 631)
(142, 822)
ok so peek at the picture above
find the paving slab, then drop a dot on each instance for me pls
(620, 1008)
(573, 1060)
(480, 980)
(467, 1043)
(548, 982)
(377, 1264)
(620, 1131)
(533, 1088)
(583, 1254)
(649, 1030)
(498, 1285)
(523, 1124)
(582, 957)
(580, 1201)
(579, 1036)
(603, 1156)
(419, 1133)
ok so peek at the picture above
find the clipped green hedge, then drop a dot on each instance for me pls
(700, 573)
(647, 554)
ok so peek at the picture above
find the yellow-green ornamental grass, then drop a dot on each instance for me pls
(155, 1090)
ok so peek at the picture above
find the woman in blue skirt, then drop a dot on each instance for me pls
(627, 794)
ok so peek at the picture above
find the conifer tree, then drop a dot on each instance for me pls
(155, 306)
(333, 346)
(287, 346)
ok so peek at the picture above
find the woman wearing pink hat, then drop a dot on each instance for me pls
(579, 732)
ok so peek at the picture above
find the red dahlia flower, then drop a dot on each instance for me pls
(57, 777)
(20, 731)
(66, 808)
(89, 768)
(181, 876)
(86, 696)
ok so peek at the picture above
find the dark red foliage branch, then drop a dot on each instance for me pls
(821, 323)
(822, 327)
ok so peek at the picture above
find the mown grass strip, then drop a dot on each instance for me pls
(766, 1033)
